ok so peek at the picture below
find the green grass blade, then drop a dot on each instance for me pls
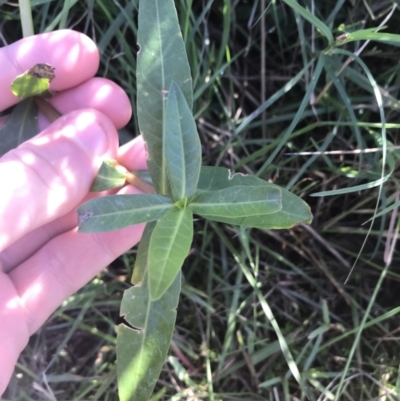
(324, 29)
(64, 14)
(55, 20)
(169, 246)
(224, 40)
(345, 101)
(269, 102)
(114, 26)
(360, 330)
(161, 60)
(356, 188)
(386, 210)
(283, 342)
(26, 18)
(304, 103)
(384, 177)
(113, 212)
(142, 349)
(369, 34)
(335, 10)
(182, 145)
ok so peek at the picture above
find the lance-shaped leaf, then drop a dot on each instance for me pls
(108, 177)
(182, 145)
(294, 210)
(140, 268)
(143, 175)
(142, 350)
(169, 246)
(20, 126)
(238, 201)
(113, 212)
(34, 82)
(161, 60)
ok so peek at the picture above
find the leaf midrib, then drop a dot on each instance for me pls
(208, 204)
(183, 177)
(178, 222)
(161, 206)
(142, 347)
(163, 183)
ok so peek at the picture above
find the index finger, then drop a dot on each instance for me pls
(73, 54)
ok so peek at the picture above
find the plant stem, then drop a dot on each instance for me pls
(139, 183)
(51, 113)
(26, 18)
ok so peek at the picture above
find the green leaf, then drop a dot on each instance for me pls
(34, 82)
(369, 34)
(140, 268)
(142, 350)
(238, 201)
(294, 210)
(162, 59)
(20, 126)
(108, 177)
(169, 246)
(182, 145)
(143, 175)
(182, 203)
(113, 212)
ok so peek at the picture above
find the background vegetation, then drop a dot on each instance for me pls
(254, 117)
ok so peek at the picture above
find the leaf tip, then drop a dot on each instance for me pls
(157, 290)
(84, 216)
(34, 82)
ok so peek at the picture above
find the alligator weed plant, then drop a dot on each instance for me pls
(176, 188)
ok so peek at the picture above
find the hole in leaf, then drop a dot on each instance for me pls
(122, 320)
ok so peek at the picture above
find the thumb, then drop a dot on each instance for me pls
(47, 176)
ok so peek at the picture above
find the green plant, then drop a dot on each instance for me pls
(222, 341)
(178, 187)
(183, 188)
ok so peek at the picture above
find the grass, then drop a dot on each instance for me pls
(252, 104)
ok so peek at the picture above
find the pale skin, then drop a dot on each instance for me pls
(43, 259)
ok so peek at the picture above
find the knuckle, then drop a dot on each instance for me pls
(38, 170)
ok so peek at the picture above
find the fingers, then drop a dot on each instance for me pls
(63, 266)
(132, 156)
(73, 54)
(14, 334)
(49, 175)
(97, 93)
(30, 293)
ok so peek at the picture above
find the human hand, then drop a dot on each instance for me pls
(43, 259)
